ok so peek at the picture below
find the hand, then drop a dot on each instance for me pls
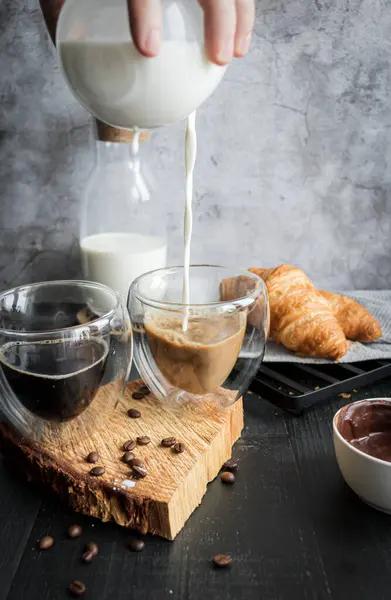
(228, 27)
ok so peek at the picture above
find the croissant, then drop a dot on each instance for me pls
(357, 323)
(301, 318)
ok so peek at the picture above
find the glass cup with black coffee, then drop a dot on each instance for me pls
(61, 343)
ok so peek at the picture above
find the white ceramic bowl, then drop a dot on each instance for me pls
(369, 477)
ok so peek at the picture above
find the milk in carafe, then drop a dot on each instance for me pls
(123, 226)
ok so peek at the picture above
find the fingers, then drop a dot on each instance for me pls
(146, 25)
(228, 27)
(220, 28)
(245, 17)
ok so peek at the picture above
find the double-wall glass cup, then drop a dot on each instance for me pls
(65, 353)
(208, 349)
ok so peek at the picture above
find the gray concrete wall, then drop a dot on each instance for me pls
(294, 149)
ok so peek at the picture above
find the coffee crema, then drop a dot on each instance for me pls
(366, 425)
(201, 358)
(57, 379)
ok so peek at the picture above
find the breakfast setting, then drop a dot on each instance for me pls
(195, 304)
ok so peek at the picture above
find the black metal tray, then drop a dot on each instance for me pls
(297, 386)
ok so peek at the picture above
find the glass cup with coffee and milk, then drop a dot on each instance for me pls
(210, 347)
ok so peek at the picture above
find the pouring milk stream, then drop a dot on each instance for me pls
(190, 158)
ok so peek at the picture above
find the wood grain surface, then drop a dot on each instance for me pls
(162, 501)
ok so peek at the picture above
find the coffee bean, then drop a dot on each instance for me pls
(92, 547)
(129, 445)
(168, 442)
(97, 471)
(143, 440)
(87, 557)
(46, 542)
(133, 413)
(145, 390)
(179, 447)
(139, 471)
(222, 560)
(138, 395)
(93, 457)
(77, 588)
(231, 465)
(136, 462)
(137, 545)
(127, 457)
(227, 477)
(74, 531)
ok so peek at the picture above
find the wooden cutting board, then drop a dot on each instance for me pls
(163, 501)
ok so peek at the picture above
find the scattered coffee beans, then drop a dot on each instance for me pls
(92, 547)
(231, 465)
(133, 413)
(136, 545)
(139, 471)
(222, 560)
(75, 531)
(227, 477)
(127, 457)
(97, 471)
(138, 395)
(46, 542)
(77, 588)
(93, 457)
(129, 445)
(145, 390)
(136, 462)
(168, 442)
(143, 440)
(179, 447)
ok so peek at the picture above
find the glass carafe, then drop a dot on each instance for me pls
(123, 224)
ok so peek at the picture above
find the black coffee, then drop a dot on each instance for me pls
(55, 380)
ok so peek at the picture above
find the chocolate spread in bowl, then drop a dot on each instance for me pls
(366, 425)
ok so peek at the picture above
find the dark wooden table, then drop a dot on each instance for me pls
(293, 527)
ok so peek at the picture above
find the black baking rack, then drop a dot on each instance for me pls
(297, 386)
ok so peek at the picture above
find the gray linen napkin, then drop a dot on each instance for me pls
(379, 305)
